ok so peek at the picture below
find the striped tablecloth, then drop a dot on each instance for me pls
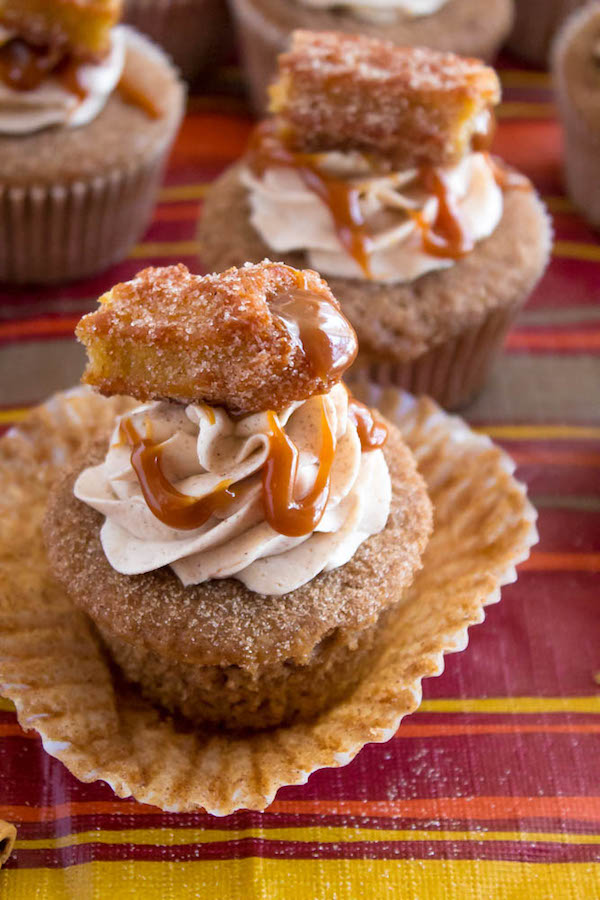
(490, 791)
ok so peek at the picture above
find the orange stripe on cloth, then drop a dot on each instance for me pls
(561, 562)
(553, 340)
(487, 808)
(56, 325)
(555, 458)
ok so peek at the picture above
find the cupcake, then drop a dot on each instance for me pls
(195, 33)
(468, 27)
(89, 113)
(535, 25)
(576, 71)
(245, 537)
(375, 171)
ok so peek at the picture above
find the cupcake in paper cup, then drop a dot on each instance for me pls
(375, 170)
(88, 115)
(468, 27)
(576, 72)
(535, 26)
(194, 33)
(240, 572)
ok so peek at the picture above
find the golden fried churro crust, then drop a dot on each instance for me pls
(220, 338)
(411, 105)
(81, 26)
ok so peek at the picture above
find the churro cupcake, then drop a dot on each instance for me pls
(535, 26)
(468, 27)
(195, 33)
(576, 70)
(246, 534)
(89, 112)
(375, 170)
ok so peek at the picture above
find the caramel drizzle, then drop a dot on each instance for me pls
(23, 67)
(327, 338)
(342, 199)
(446, 237)
(506, 178)
(372, 434)
(164, 501)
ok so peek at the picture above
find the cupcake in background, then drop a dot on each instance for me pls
(375, 170)
(468, 27)
(576, 72)
(536, 24)
(195, 33)
(88, 113)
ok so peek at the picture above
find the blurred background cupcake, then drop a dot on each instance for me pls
(468, 27)
(195, 33)
(88, 113)
(536, 23)
(576, 70)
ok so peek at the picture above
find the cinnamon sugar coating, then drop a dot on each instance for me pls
(411, 105)
(81, 26)
(168, 334)
(220, 652)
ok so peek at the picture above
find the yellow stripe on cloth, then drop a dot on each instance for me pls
(512, 705)
(166, 249)
(307, 879)
(540, 432)
(524, 110)
(167, 837)
(577, 250)
(16, 414)
(183, 192)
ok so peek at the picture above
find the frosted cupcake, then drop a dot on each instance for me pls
(88, 114)
(468, 27)
(576, 71)
(375, 170)
(245, 536)
(195, 33)
(535, 26)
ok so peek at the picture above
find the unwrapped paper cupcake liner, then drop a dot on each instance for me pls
(60, 232)
(195, 33)
(452, 372)
(8, 835)
(54, 669)
(536, 23)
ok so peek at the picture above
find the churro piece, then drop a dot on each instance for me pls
(80, 26)
(412, 106)
(253, 338)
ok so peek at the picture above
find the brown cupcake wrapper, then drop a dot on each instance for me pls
(61, 232)
(53, 667)
(260, 44)
(195, 33)
(452, 372)
(536, 23)
(8, 835)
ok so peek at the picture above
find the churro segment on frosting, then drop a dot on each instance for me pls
(80, 26)
(412, 106)
(251, 338)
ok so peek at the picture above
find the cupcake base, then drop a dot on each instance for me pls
(53, 667)
(195, 33)
(438, 335)
(467, 27)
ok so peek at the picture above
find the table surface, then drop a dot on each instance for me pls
(492, 789)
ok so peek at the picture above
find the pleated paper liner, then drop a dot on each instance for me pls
(8, 835)
(55, 671)
(195, 33)
(452, 372)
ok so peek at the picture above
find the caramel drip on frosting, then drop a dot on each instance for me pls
(342, 199)
(446, 237)
(164, 501)
(136, 97)
(286, 514)
(506, 178)
(371, 433)
(24, 67)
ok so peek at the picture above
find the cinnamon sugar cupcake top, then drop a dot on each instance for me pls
(254, 338)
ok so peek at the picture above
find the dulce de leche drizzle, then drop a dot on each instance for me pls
(446, 237)
(327, 338)
(267, 150)
(169, 505)
(371, 433)
(284, 513)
